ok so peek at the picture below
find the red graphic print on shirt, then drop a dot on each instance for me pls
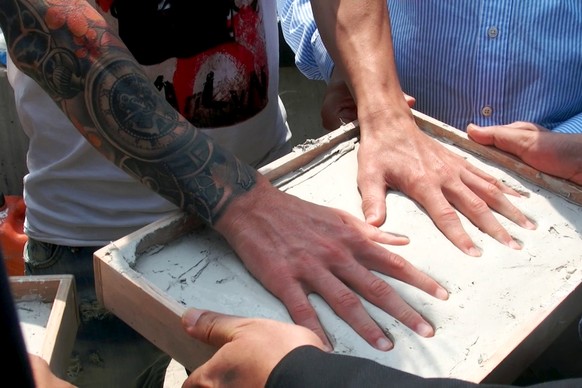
(217, 49)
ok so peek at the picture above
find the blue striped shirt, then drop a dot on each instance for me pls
(485, 62)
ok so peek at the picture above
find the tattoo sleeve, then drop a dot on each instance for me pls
(67, 47)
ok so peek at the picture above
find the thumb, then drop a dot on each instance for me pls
(209, 327)
(373, 201)
(514, 139)
(481, 135)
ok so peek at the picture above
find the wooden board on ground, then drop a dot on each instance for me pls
(47, 309)
(504, 308)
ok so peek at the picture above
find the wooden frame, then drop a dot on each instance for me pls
(483, 354)
(308, 151)
(62, 323)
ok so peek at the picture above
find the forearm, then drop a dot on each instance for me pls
(357, 35)
(559, 154)
(78, 60)
(308, 366)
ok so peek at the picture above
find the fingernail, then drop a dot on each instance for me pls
(384, 345)
(425, 330)
(472, 126)
(474, 252)
(529, 225)
(514, 245)
(442, 294)
(191, 316)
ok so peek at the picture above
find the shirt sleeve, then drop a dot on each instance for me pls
(301, 34)
(572, 125)
(308, 366)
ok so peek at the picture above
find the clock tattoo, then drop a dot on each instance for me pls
(132, 114)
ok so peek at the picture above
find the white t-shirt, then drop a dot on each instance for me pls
(75, 197)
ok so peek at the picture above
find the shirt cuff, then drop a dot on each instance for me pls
(322, 57)
(573, 125)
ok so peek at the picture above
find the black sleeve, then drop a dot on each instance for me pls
(13, 346)
(308, 366)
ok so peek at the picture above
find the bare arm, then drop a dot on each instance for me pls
(291, 246)
(71, 52)
(357, 35)
(394, 153)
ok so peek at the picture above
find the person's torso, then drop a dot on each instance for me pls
(490, 62)
(225, 82)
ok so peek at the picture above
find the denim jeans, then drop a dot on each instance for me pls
(107, 352)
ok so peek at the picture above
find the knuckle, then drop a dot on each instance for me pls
(347, 299)
(491, 189)
(396, 262)
(406, 314)
(369, 330)
(380, 288)
(478, 205)
(303, 311)
(448, 215)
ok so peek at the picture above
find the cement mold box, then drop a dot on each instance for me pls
(504, 308)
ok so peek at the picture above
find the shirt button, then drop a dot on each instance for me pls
(493, 32)
(486, 111)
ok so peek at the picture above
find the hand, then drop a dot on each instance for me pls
(558, 154)
(294, 248)
(43, 376)
(248, 351)
(393, 152)
(440, 180)
(398, 151)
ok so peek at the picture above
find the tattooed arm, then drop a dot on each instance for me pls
(291, 246)
(68, 49)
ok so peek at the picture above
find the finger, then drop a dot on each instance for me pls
(447, 220)
(397, 267)
(347, 113)
(302, 312)
(210, 327)
(410, 100)
(382, 295)
(373, 192)
(340, 117)
(348, 306)
(372, 232)
(490, 179)
(478, 212)
(514, 141)
(490, 190)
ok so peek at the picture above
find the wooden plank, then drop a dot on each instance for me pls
(304, 153)
(63, 321)
(139, 303)
(543, 330)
